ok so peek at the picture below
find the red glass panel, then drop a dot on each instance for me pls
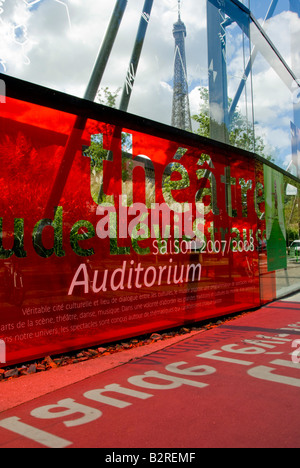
(96, 230)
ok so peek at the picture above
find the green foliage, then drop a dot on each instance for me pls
(203, 118)
(96, 152)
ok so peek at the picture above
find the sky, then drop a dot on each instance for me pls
(55, 43)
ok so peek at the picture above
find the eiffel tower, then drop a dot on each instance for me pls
(181, 116)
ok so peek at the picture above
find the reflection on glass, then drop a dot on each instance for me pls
(238, 88)
(242, 88)
(273, 106)
(287, 281)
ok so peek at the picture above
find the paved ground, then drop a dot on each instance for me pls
(236, 385)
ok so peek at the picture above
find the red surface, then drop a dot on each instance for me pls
(243, 404)
(43, 167)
